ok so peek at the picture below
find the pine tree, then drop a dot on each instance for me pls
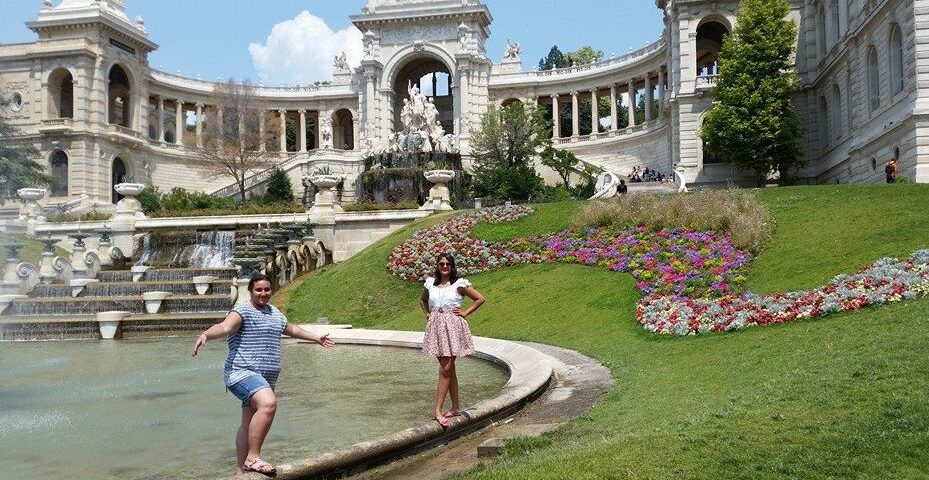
(555, 59)
(17, 167)
(279, 188)
(753, 123)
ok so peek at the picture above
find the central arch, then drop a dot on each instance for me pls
(430, 68)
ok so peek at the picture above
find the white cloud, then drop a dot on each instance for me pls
(301, 50)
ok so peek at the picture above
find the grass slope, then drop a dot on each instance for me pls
(846, 396)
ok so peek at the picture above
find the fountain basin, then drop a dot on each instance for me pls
(202, 283)
(138, 272)
(109, 323)
(154, 300)
(439, 176)
(79, 284)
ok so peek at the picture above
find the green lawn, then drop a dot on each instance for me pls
(846, 396)
(31, 253)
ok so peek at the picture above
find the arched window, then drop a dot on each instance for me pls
(710, 37)
(59, 170)
(821, 31)
(874, 80)
(61, 94)
(834, 12)
(119, 98)
(836, 112)
(823, 121)
(343, 130)
(849, 100)
(896, 59)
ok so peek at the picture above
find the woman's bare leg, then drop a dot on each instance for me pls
(453, 390)
(264, 402)
(446, 367)
(241, 438)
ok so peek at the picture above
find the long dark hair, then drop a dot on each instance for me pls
(258, 277)
(452, 276)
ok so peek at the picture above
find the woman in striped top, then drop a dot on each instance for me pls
(253, 332)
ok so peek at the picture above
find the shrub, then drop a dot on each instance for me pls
(369, 206)
(732, 210)
(279, 188)
(150, 199)
(78, 217)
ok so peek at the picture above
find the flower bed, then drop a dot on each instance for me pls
(885, 281)
(690, 279)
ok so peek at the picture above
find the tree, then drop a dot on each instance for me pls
(583, 56)
(279, 187)
(232, 136)
(503, 147)
(17, 167)
(753, 123)
(555, 59)
(562, 162)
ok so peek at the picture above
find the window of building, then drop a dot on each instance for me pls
(823, 121)
(896, 59)
(874, 80)
(836, 112)
(59, 170)
(821, 31)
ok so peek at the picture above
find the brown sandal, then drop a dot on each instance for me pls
(260, 466)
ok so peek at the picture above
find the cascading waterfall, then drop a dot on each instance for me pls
(213, 249)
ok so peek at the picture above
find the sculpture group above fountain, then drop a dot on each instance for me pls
(422, 132)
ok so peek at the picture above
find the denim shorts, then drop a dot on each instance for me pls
(245, 388)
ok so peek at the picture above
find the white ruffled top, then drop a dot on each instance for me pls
(447, 297)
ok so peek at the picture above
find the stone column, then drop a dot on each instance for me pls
(632, 103)
(179, 122)
(594, 112)
(614, 113)
(161, 119)
(199, 124)
(283, 114)
(661, 94)
(261, 130)
(303, 131)
(649, 97)
(575, 117)
(556, 118)
(465, 93)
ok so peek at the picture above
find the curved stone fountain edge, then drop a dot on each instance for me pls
(530, 373)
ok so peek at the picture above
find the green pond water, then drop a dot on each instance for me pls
(146, 409)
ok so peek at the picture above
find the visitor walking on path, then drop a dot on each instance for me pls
(253, 332)
(890, 171)
(447, 335)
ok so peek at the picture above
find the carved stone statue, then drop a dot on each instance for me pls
(367, 43)
(513, 50)
(341, 62)
(464, 34)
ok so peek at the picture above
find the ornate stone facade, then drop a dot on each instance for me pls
(86, 95)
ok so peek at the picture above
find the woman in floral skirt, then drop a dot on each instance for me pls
(447, 334)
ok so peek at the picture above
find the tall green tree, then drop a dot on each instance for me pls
(554, 59)
(18, 169)
(279, 187)
(753, 123)
(562, 162)
(503, 148)
(583, 56)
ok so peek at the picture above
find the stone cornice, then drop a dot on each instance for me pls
(104, 18)
(378, 20)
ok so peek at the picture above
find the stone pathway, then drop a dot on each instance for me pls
(580, 382)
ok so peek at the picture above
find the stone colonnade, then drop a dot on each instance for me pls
(631, 87)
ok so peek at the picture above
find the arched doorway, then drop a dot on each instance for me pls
(343, 130)
(59, 170)
(710, 35)
(119, 98)
(61, 94)
(433, 79)
(118, 176)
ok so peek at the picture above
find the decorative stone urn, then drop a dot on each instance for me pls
(108, 323)
(325, 198)
(129, 205)
(31, 211)
(154, 300)
(138, 272)
(79, 284)
(202, 283)
(47, 271)
(438, 195)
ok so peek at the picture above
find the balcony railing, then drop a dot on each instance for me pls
(56, 124)
(707, 81)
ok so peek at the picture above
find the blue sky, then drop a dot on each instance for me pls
(212, 38)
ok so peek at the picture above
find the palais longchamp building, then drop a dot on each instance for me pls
(85, 94)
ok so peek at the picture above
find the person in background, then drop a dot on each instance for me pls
(890, 171)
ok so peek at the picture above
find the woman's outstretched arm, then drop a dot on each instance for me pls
(424, 302)
(294, 331)
(229, 325)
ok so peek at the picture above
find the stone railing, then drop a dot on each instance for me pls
(201, 85)
(624, 132)
(625, 59)
(293, 160)
(56, 124)
(707, 81)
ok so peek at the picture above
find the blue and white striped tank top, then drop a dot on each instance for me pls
(256, 347)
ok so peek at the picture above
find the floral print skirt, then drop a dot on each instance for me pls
(447, 335)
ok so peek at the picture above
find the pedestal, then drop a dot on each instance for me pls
(438, 195)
